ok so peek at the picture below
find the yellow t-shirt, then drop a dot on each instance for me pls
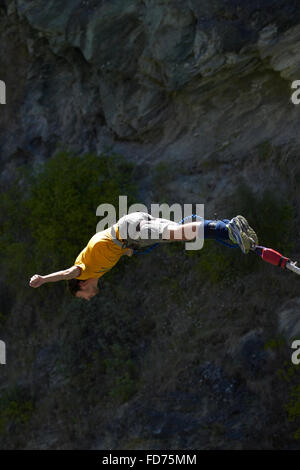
(99, 256)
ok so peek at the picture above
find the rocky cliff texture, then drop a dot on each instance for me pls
(203, 87)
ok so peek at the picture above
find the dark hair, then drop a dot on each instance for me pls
(74, 286)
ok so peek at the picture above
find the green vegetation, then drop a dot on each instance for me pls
(215, 263)
(15, 409)
(275, 343)
(122, 371)
(293, 409)
(290, 375)
(2, 319)
(270, 214)
(174, 288)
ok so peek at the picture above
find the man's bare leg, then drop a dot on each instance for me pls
(184, 232)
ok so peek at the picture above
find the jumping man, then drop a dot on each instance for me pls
(139, 230)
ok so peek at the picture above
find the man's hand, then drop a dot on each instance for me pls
(36, 281)
(129, 252)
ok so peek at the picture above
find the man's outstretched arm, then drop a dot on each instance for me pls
(66, 274)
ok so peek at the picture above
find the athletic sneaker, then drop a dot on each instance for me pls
(240, 232)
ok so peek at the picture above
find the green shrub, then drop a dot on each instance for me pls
(15, 409)
(270, 214)
(63, 199)
(274, 343)
(293, 409)
(290, 375)
(215, 263)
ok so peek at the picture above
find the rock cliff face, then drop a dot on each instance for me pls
(154, 78)
(204, 88)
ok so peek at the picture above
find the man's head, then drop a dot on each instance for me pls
(83, 289)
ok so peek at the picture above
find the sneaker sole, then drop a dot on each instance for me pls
(247, 229)
(246, 236)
